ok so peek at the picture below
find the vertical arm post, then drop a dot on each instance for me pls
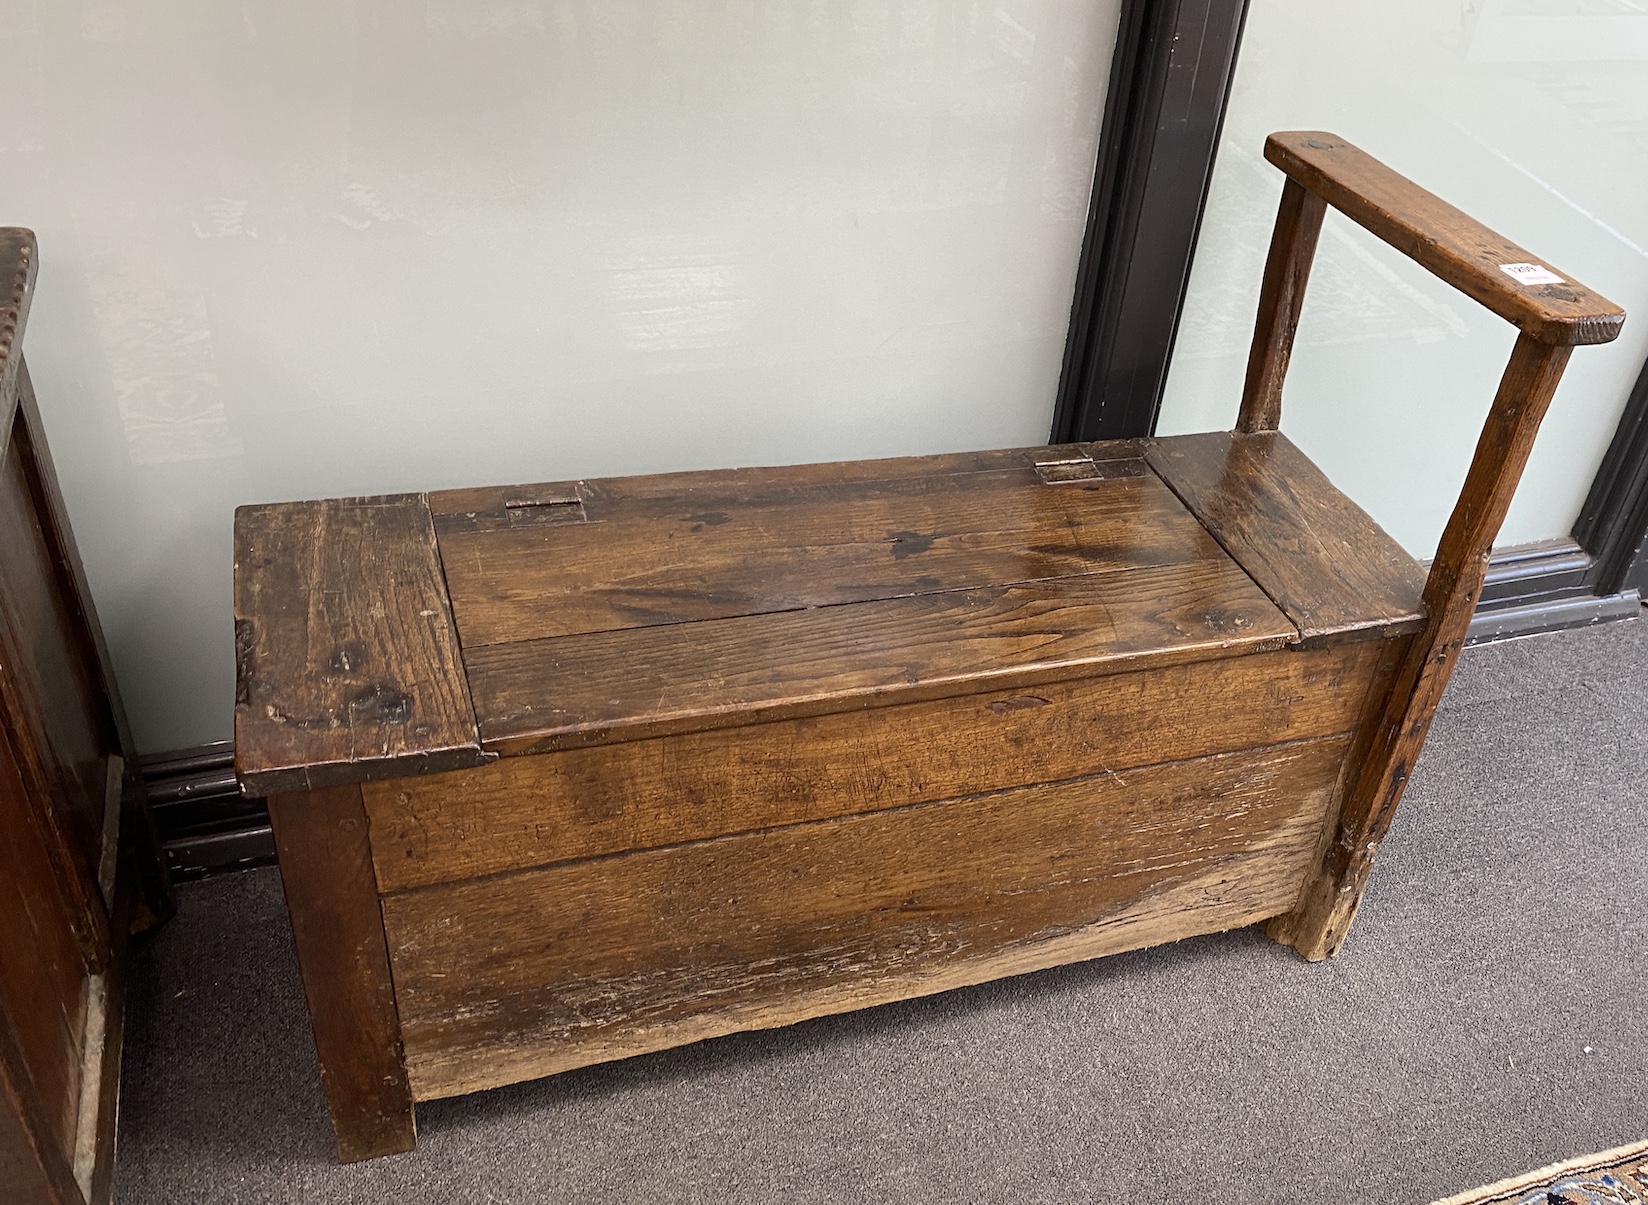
(1287, 271)
(1321, 919)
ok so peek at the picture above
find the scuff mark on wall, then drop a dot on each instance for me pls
(158, 344)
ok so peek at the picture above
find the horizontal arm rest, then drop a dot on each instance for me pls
(1454, 246)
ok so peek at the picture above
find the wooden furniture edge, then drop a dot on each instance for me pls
(1552, 317)
(322, 840)
(448, 728)
(100, 1110)
(71, 569)
(87, 910)
(298, 779)
(1337, 605)
(88, 1175)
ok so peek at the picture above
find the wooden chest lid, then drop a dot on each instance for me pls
(602, 610)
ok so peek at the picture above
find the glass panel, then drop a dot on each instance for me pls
(1530, 115)
(298, 248)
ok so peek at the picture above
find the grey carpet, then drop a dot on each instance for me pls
(1486, 1017)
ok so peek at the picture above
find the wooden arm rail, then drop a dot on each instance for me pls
(1554, 314)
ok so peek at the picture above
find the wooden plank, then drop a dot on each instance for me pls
(53, 516)
(1324, 561)
(577, 690)
(1317, 927)
(1281, 298)
(523, 975)
(522, 812)
(348, 665)
(33, 1170)
(100, 1107)
(50, 700)
(100, 1063)
(1453, 245)
(740, 484)
(42, 973)
(321, 839)
(673, 560)
(105, 1025)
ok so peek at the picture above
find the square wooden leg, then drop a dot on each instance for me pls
(321, 838)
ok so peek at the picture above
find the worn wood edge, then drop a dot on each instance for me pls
(58, 529)
(100, 1109)
(1300, 153)
(521, 744)
(1309, 635)
(104, 1015)
(86, 906)
(299, 776)
(462, 1071)
(19, 263)
(88, 915)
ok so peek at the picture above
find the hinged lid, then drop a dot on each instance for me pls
(595, 611)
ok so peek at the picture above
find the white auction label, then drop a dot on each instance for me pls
(1531, 274)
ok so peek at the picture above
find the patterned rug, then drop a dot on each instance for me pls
(1616, 1177)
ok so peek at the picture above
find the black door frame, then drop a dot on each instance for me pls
(1170, 81)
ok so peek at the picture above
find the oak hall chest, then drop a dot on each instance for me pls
(569, 772)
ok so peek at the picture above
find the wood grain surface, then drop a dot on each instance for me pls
(1281, 299)
(321, 839)
(657, 560)
(50, 700)
(1330, 568)
(35, 1172)
(605, 686)
(522, 975)
(521, 812)
(1450, 243)
(347, 661)
(53, 515)
(100, 1113)
(42, 973)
